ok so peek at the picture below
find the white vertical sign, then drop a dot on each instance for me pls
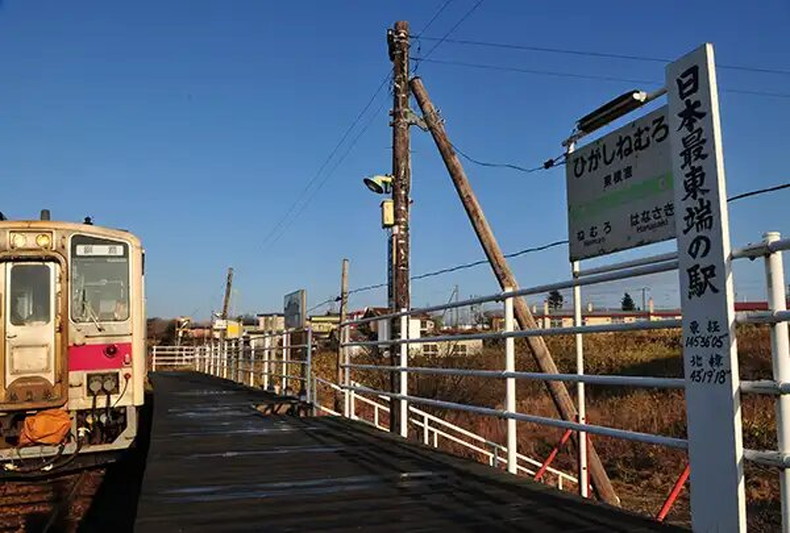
(710, 357)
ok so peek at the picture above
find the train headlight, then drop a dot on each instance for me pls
(43, 240)
(18, 240)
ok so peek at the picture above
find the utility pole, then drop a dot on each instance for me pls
(341, 338)
(226, 300)
(537, 346)
(226, 304)
(398, 44)
(644, 301)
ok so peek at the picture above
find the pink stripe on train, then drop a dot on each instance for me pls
(99, 356)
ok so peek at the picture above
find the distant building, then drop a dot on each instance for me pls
(269, 322)
(323, 325)
(563, 318)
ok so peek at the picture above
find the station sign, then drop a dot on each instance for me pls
(707, 295)
(620, 189)
(294, 306)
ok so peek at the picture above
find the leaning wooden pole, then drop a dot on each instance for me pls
(537, 346)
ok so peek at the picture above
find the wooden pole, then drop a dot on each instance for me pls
(537, 346)
(398, 41)
(340, 337)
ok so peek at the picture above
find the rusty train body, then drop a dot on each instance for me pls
(72, 326)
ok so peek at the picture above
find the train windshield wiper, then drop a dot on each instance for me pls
(87, 311)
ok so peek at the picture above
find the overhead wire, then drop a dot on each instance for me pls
(287, 216)
(549, 163)
(589, 53)
(465, 16)
(539, 72)
(436, 15)
(465, 266)
(758, 192)
(533, 71)
(329, 174)
(299, 205)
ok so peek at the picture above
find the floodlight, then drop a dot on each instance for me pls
(380, 184)
(612, 110)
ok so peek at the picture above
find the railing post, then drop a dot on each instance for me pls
(252, 364)
(240, 361)
(225, 359)
(153, 359)
(581, 404)
(309, 370)
(376, 416)
(345, 335)
(286, 356)
(266, 344)
(510, 385)
(353, 405)
(425, 430)
(780, 352)
(404, 376)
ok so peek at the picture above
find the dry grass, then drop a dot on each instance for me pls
(642, 474)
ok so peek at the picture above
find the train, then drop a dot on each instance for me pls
(73, 350)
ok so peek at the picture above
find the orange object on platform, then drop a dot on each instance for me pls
(45, 427)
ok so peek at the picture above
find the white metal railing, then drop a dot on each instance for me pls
(777, 316)
(272, 361)
(434, 428)
(172, 357)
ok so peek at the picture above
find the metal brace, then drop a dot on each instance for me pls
(413, 119)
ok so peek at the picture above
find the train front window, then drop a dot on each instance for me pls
(99, 280)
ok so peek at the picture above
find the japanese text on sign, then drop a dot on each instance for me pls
(620, 189)
(702, 262)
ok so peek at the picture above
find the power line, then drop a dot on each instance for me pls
(436, 15)
(587, 53)
(758, 192)
(549, 163)
(442, 39)
(326, 161)
(331, 171)
(534, 71)
(327, 301)
(539, 72)
(285, 221)
(465, 266)
(534, 249)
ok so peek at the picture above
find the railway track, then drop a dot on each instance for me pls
(55, 504)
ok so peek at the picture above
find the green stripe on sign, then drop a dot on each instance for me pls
(659, 185)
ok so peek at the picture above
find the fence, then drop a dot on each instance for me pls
(279, 362)
(268, 361)
(434, 431)
(163, 357)
(777, 316)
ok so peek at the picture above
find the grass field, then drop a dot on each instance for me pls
(642, 474)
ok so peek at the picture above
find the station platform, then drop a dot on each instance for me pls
(215, 463)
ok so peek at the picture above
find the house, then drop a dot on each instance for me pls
(563, 318)
(448, 348)
(323, 325)
(269, 322)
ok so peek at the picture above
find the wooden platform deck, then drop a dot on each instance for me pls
(216, 464)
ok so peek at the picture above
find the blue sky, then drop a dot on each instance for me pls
(196, 124)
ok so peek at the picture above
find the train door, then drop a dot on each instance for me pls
(30, 321)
